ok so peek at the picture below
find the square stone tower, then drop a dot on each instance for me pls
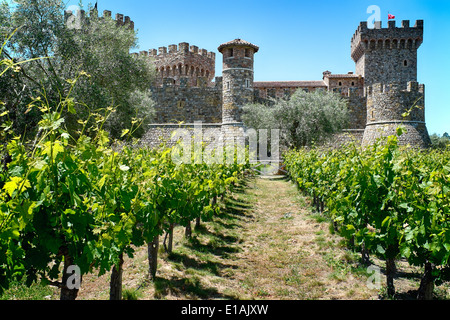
(386, 55)
(387, 60)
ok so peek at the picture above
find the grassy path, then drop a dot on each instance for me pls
(266, 245)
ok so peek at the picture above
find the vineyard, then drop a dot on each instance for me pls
(73, 204)
(387, 201)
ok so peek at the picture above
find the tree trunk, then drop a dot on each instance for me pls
(70, 281)
(169, 234)
(426, 284)
(390, 273)
(153, 257)
(365, 258)
(170, 238)
(115, 284)
(188, 231)
(197, 222)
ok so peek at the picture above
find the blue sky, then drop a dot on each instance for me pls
(298, 39)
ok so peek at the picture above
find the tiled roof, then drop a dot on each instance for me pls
(288, 84)
(346, 75)
(238, 42)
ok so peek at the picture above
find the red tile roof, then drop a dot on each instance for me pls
(238, 42)
(288, 84)
(346, 75)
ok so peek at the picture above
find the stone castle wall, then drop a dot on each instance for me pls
(170, 134)
(76, 21)
(183, 61)
(384, 55)
(183, 103)
(396, 104)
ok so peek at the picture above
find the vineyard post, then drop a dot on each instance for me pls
(427, 283)
(68, 291)
(153, 247)
(115, 285)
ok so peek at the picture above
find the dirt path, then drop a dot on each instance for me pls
(266, 245)
(288, 254)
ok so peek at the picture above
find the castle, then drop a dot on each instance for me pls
(382, 92)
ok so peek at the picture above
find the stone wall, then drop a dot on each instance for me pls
(76, 21)
(396, 104)
(171, 133)
(182, 103)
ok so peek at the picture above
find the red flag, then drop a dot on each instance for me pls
(390, 16)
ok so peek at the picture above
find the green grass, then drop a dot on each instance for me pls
(20, 291)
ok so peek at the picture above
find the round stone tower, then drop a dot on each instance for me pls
(393, 105)
(237, 78)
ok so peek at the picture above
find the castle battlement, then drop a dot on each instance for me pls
(76, 20)
(412, 87)
(183, 48)
(182, 61)
(392, 37)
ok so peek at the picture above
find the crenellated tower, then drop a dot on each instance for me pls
(78, 19)
(387, 60)
(385, 55)
(183, 64)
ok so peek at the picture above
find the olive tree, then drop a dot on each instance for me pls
(98, 48)
(303, 119)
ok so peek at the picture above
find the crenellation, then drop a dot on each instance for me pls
(183, 47)
(76, 21)
(194, 49)
(119, 19)
(173, 48)
(162, 50)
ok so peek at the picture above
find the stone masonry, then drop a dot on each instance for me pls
(389, 106)
(382, 88)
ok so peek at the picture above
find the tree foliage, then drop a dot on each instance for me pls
(97, 47)
(438, 142)
(304, 119)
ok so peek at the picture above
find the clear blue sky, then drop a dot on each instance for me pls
(298, 39)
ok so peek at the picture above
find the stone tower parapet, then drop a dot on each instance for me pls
(394, 104)
(183, 61)
(76, 21)
(385, 55)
